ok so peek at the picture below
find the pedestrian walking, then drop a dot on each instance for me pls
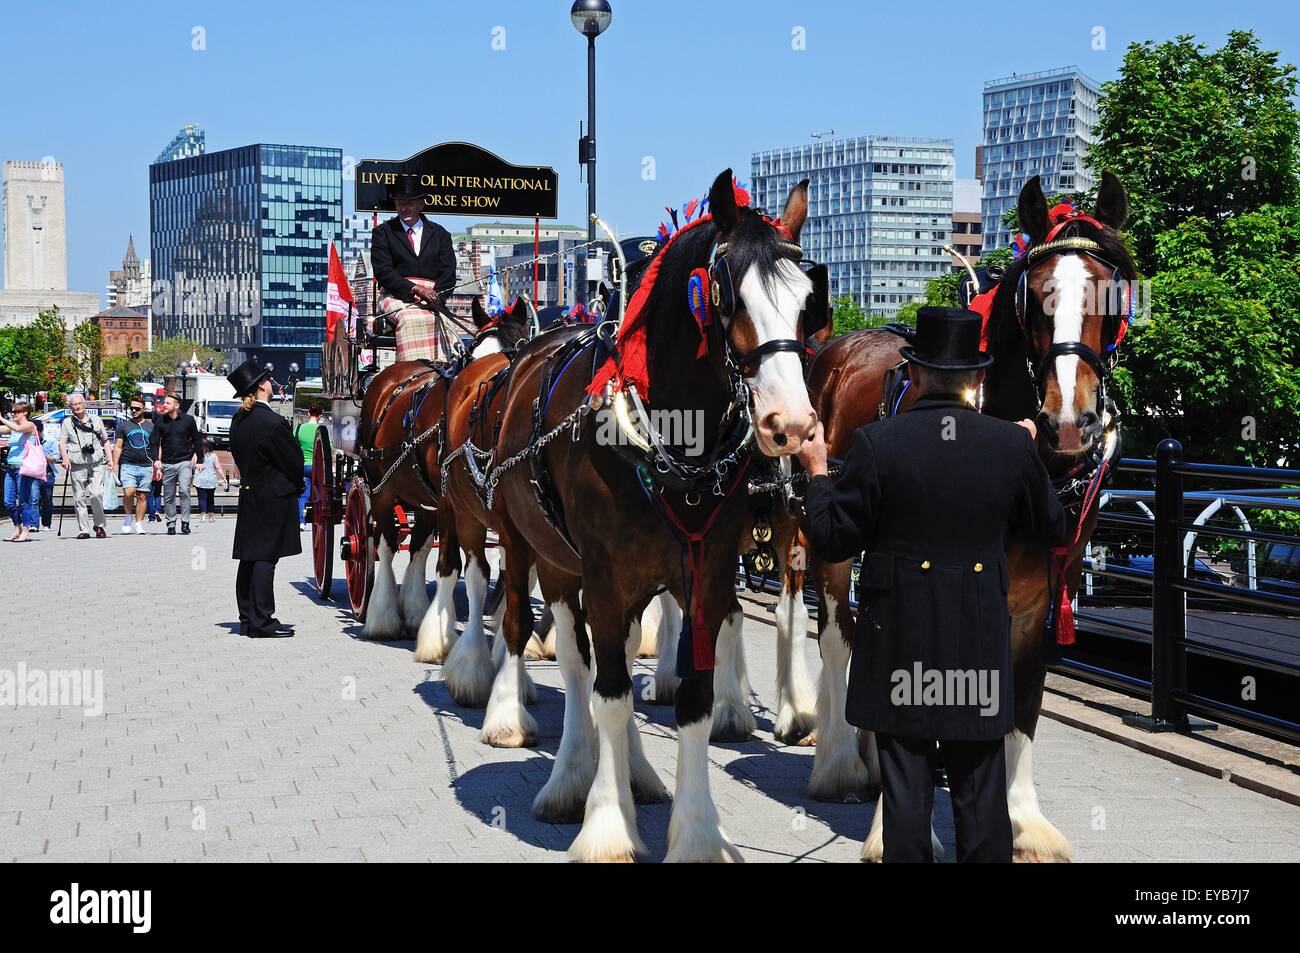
(270, 477)
(306, 436)
(53, 472)
(133, 464)
(175, 450)
(930, 496)
(206, 480)
(82, 451)
(23, 470)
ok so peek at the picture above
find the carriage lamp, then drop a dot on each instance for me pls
(591, 18)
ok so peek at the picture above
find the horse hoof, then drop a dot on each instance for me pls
(792, 726)
(731, 724)
(809, 740)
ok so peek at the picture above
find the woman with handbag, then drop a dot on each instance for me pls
(24, 469)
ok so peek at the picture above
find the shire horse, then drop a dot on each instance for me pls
(1056, 312)
(474, 404)
(606, 533)
(399, 420)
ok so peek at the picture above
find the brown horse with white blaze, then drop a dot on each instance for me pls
(607, 534)
(1054, 312)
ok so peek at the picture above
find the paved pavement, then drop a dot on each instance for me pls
(327, 747)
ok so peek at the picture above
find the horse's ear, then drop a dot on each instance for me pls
(722, 203)
(1031, 211)
(477, 313)
(1112, 202)
(796, 209)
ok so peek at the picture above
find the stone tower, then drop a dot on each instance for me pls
(35, 228)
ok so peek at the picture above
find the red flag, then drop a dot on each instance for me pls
(338, 295)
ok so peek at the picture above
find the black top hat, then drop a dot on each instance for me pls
(947, 339)
(247, 376)
(408, 189)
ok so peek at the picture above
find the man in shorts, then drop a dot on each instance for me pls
(134, 466)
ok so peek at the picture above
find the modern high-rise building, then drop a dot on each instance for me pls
(36, 247)
(190, 141)
(1034, 124)
(879, 212)
(240, 248)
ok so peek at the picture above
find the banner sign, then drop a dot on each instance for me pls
(460, 178)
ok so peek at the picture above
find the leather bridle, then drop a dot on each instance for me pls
(1065, 239)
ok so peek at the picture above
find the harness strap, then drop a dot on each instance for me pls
(695, 646)
(1060, 616)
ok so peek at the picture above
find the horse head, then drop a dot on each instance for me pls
(506, 331)
(759, 297)
(1073, 292)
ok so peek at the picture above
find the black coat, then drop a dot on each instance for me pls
(270, 480)
(393, 261)
(930, 496)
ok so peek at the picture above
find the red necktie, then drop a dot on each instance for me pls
(410, 236)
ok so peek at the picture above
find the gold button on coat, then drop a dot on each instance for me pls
(926, 564)
(979, 567)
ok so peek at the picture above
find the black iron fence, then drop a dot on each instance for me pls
(1226, 689)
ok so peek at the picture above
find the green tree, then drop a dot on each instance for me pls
(1193, 132)
(128, 379)
(88, 353)
(166, 353)
(847, 315)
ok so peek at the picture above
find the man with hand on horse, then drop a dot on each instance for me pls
(930, 496)
(270, 480)
(410, 246)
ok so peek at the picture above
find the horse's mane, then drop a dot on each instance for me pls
(752, 244)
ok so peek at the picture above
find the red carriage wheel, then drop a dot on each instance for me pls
(358, 551)
(323, 513)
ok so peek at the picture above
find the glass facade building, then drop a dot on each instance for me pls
(240, 248)
(1034, 124)
(879, 212)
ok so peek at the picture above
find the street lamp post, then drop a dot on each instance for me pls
(591, 18)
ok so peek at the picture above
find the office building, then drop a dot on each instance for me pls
(1034, 124)
(240, 249)
(879, 212)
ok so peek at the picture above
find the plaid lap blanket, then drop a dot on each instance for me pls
(421, 334)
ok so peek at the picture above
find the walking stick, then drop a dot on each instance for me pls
(63, 506)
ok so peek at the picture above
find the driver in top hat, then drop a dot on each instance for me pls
(410, 246)
(930, 496)
(270, 482)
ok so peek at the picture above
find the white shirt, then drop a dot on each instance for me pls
(416, 231)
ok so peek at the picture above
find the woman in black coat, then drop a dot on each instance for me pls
(270, 481)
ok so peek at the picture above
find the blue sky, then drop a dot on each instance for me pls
(102, 86)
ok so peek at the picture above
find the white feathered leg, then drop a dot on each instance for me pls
(415, 590)
(1034, 839)
(468, 670)
(562, 798)
(383, 618)
(837, 769)
(646, 786)
(609, 831)
(438, 629)
(796, 699)
(694, 832)
(732, 718)
(670, 627)
(507, 723)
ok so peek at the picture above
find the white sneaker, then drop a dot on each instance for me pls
(126, 526)
(139, 529)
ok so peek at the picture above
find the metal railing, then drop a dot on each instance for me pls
(1173, 551)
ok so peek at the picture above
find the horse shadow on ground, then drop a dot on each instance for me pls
(780, 773)
(500, 793)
